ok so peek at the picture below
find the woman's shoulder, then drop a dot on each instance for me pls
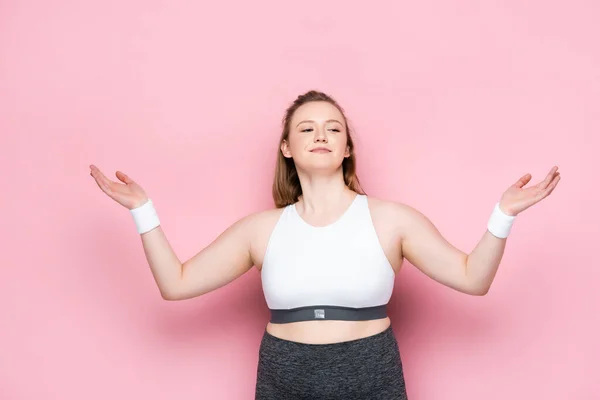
(391, 210)
(262, 219)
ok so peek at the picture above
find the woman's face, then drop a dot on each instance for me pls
(317, 137)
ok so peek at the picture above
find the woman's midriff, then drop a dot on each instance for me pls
(325, 332)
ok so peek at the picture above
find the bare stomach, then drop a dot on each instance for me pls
(324, 332)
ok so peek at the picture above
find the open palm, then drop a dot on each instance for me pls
(128, 193)
(517, 198)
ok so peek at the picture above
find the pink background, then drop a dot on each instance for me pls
(451, 103)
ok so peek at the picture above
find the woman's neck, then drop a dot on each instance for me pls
(323, 194)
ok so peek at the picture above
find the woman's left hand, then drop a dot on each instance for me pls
(516, 198)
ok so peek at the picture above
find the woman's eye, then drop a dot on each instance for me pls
(311, 129)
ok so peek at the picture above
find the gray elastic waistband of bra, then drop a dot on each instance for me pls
(311, 313)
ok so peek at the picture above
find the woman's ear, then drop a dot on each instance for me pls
(285, 149)
(347, 152)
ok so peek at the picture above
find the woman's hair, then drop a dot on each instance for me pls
(286, 185)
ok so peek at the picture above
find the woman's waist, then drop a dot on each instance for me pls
(327, 331)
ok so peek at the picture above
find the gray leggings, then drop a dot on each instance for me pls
(366, 368)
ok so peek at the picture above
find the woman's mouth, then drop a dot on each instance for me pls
(320, 150)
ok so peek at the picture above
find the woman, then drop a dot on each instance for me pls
(328, 256)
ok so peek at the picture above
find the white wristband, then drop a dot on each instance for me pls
(145, 217)
(500, 223)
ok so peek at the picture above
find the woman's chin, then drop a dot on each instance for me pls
(325, 166)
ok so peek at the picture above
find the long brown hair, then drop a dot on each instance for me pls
(286, 185)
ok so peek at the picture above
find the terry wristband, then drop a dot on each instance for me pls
(145, 217)
(500, 223)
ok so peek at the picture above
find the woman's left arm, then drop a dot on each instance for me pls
(425, 248)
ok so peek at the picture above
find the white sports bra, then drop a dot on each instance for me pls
(338, 271)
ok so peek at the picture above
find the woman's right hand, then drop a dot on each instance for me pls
(128, 194)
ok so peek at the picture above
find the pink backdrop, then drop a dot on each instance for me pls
(451, 102)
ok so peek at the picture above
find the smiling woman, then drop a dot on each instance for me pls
(328, 256)
(315, 120)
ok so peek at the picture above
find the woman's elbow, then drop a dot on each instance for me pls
(170, 294)
(478, 290)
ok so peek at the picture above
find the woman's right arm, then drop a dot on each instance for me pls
(219, 263)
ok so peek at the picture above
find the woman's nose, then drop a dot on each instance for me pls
(320, 136)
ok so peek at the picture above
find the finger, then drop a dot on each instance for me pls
(103, 182)
(550, 188)
(100, 177)
(123, 177)
(523, 181)
(553, 184)
(551, 175)
(95, 171)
